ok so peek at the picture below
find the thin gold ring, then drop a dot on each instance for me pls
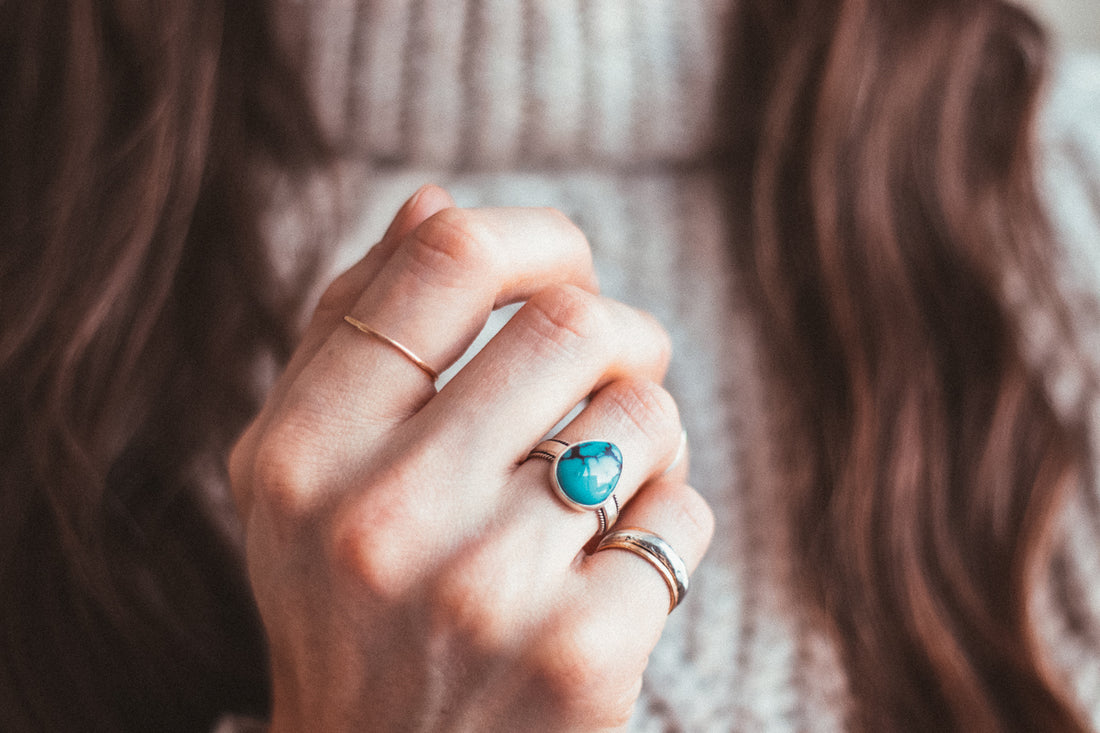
(432, 373)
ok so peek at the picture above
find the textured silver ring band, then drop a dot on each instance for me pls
(548, 449)
(608, 514)
(657, 553)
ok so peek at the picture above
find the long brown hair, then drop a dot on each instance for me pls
(885, 196)
(881, 174)
(139, 142)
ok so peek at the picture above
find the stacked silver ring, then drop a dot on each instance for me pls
(588, 475)
(657, 553)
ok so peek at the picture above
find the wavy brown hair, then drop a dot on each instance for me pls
(139, 143)
(884, 181)
(883, 178)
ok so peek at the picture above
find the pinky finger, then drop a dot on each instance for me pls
(619, 606)
(634, 586)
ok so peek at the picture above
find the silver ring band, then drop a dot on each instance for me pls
(657, 553)
(548, 449)
(608, 514)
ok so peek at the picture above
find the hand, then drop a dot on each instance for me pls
(413, 572)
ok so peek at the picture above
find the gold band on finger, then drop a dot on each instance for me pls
(405, 350)
(657, 553)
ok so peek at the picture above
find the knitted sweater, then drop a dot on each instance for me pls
(603, 109)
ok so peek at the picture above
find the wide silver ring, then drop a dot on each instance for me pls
(556, 450)
(657, 553)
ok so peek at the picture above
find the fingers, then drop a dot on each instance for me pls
(433, 295)
(592, 652)
(438, 495)
(627, 586)
(341, 294)
(637, 416)
(563, 345)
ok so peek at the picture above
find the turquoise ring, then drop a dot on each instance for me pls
(584, 475)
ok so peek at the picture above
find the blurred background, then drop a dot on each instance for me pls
(1075, 23)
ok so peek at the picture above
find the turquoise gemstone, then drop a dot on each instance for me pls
(588, 472)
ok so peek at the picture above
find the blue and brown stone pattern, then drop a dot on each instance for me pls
(588, 472)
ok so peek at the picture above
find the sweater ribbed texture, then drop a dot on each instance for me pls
(506, 83)
(605, 110)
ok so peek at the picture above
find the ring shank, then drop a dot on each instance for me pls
(657, 553)
(405, 350)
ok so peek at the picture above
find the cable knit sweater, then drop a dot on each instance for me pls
(602, 108)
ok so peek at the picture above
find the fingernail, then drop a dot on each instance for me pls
(680, 452)
(405, 209)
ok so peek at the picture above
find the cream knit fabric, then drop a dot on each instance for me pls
(603, 109)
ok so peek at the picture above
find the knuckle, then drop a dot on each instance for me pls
(663, 344)
(380, 535)
(655, 339)
(371, 544)
(449, 247)
(572, 244)
(488, 598)
(564, 317)
(646, 405)
(286, 471)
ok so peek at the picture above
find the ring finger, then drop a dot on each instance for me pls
(629, 588)
(635, 416)
(562, 346)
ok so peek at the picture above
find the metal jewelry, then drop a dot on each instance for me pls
(657, 553)
(584, 475)
(432, 373)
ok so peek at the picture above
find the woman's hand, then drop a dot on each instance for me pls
(412, 570)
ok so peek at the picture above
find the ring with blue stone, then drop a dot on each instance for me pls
(584, 475)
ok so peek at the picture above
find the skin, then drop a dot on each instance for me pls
(412, 571)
